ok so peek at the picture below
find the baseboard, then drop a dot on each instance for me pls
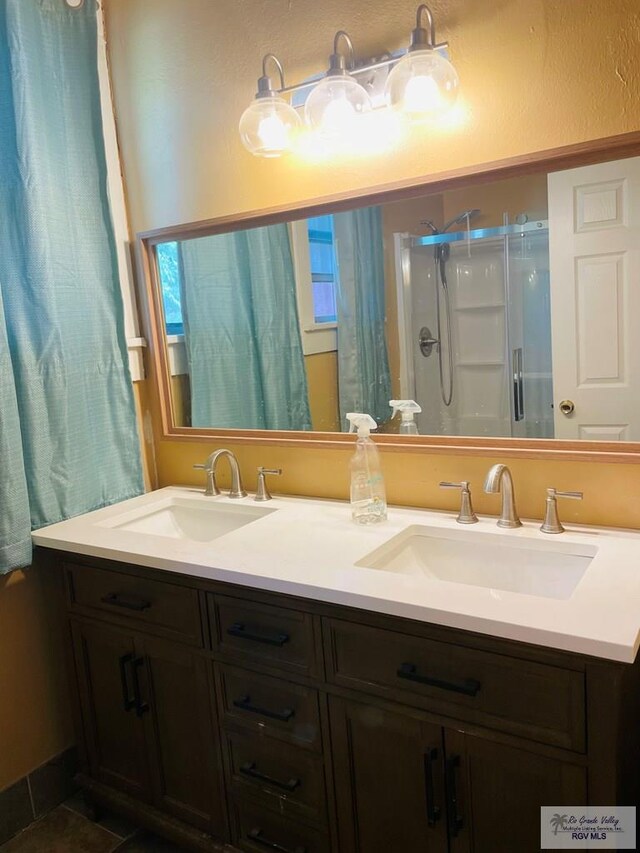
(37, 793)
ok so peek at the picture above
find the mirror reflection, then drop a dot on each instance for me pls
(501, 309)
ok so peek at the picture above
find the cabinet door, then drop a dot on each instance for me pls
(389, 780)
(494, 793)
(181, 734)
(106, 667)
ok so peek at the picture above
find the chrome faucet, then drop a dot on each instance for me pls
(499, 480)
(210, 466)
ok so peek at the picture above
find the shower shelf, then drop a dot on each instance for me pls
(485, 306)
(480, 363)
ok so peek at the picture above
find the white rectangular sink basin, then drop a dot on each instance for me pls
(499, 562)
(188, 519)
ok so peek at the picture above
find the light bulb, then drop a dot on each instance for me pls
(334, 106)
(268, 125)
(424, 85)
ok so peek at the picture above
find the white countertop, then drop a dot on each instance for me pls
(310, 548)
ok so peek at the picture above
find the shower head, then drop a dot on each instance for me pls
(461, 218)
(431, 225)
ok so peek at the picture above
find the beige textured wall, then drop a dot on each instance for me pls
(534, 73)
(35, 722)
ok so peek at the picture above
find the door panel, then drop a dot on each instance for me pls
(494, 793)
(388, 774)
(105, 660)
(180, 730)
(594, 221)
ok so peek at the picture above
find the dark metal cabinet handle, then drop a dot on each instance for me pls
(239, 629)
(128, 702)
(433, 811)
(140, 705)
(244, 704)
(128, 602)
(468, 686)
(249, 769)
(257, 836)
(455, 821)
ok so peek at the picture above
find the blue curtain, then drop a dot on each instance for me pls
(363, 365)
(242, 333)
(67, 422)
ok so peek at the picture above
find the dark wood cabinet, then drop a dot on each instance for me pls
(265, 722)
(499, 789)
(389, 780)
(180, 732)
(147, 711)
(405, 784)
(107, 670)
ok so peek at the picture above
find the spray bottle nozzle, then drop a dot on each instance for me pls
(361, 423)
(407, 408)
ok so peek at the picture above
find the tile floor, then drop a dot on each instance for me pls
(67, 829)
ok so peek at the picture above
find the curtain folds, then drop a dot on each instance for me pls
(363, 365)
(67, 422)
(242, 334)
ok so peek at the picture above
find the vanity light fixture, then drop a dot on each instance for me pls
(269, 123)
(422, 84)
(336, 102)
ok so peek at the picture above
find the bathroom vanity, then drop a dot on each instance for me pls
(252, 677)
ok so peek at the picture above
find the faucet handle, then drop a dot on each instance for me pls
(551, 523)
(212, 487)
(466, 514)
(262, 492)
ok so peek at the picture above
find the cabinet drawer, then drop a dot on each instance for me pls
(290, 780)
(270, 706)
(274, 636)
(257, 830)
(159, 607)
(537, 701)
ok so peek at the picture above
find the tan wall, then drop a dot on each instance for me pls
(518, 195)
(35, 722)
(322, 381)
(534, 74)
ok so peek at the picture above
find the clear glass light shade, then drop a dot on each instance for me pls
(268, 126)
(423, 85)
(334, 106)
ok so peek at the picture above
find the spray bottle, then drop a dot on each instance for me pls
(408, 410)
(368, 498)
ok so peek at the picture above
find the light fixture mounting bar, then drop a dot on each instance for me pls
(357, 69)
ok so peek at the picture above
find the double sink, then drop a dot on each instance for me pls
(504, 560)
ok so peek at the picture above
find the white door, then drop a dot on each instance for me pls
(594, 247)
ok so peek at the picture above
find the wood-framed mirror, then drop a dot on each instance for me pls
(502, 299)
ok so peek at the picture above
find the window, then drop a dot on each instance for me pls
(169, 273)
(322, 259)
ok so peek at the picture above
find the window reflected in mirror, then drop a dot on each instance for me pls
(503, 310)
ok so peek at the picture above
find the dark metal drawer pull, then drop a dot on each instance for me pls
(249, 769)
(454, 820)
(433, 811)
(258, 836)
(140, 705)
(127, 701)
(245, 705)
(129, 602)
(239, 629)
(468, 686)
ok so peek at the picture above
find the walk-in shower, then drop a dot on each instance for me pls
(485, 294)
(442, 253)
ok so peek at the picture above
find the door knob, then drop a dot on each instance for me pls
(567, 407)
